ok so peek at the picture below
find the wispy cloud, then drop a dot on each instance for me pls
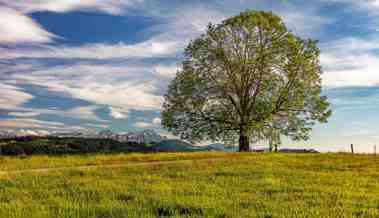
(147, 49)
(116, 114)
(109, 6)
(12, 97)
(305, 24)
(23, 114)
(16, 27)
(38, 124)
(121, 87)
(84, 113)
(102, 126)
(367, 5)
(350, 62)
(142, 125)
(166, 70)
(154, 123)
(81, 113)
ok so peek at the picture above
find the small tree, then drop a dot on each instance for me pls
(244, 79)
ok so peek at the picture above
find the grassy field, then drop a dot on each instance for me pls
(204, 185)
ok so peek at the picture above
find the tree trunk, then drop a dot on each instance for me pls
(271, 146)
(244, 141)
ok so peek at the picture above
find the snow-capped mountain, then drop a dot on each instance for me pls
(145, 136)
(22, 132)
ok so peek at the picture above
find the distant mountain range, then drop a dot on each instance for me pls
(146, 137)
(22, 132)
(177, 145)
(221, 147)
(143, 137)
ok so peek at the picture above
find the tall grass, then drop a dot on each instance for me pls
(258, 185)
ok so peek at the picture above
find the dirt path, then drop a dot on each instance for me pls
(117, 165)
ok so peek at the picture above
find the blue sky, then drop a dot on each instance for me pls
(88, 65)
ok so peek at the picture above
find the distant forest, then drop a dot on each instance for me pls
(27, 145)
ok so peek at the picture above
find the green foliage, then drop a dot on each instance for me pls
(249, 77)
(276, 185)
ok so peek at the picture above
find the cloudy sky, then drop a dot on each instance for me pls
(105, 64)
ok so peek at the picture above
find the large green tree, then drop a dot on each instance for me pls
(247, 79)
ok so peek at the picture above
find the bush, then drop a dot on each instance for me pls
(12, 150)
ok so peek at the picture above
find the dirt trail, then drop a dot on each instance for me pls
(116, 165)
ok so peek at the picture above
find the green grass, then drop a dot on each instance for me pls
(8, 163)
(246, 185)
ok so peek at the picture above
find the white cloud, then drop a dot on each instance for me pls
(29, 123)
(152, 48)
(364, 72)
(166, 70)
(142, 125)
(304, 24)
(366, 9)
(190, 19)
(35, 124)
(85, 112)
(157, 121)
(125, 95)
(370, 5)
(121, 87)
(108, 6)
(350, 62)
(12, 97)
(113, 112)
(195, 19)
(16, 27)
(24, 114)
(102, 126)
(169, 42)
(351, 45)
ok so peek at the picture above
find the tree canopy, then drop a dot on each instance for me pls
(247, 79)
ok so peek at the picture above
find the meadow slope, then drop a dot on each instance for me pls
(205, 185)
